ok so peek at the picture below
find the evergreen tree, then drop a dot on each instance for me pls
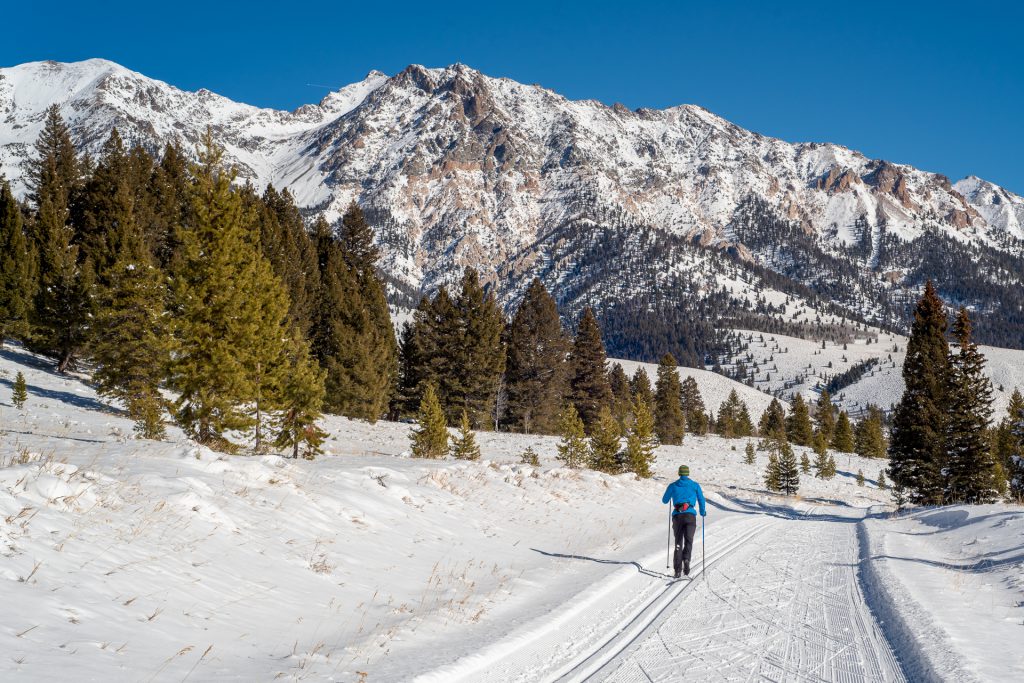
(917, 448)
(882, 483)
(17, 269)
(670, 422)
(772, 473)
(536, 372)
(132, 346)
(1015, 466)
(830, 468)
(301, 402)
(798, 423)
(773, 421)
(358, 355)
(622, 398)
(825, 415)
(970, 468)
(805, 463)
(464, 446)
(357, 239)
(430, 439)
(734, 418)
(640, 387)
(529, 457)
(572, 449)
(478, 353)
(63, 305)
(589, 388)
(286, 243)
(869, 439)
(821, 457)
(693, 407)
(19, 394)
(604, 442)
(860, 478)
(749, 457)
(842, 437)
(789, 475)
(229, 313)
(641, 441)
(170, 196)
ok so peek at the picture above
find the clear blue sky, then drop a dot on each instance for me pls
(937, 85)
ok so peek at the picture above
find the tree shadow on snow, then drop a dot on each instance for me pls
(981, 566)
(639, 567)
(70, 398)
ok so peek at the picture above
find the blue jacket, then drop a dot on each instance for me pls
(685, 490)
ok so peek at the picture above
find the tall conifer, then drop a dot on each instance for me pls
(536, 372)
(773, 421)
(669, 421)
(17, 269)
(842, 436)
(798, 423)
(604, 442)
(589, 387)
(917, 448)
(640, 440)
(693, 407)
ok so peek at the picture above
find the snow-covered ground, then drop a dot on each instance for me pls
(123, 559)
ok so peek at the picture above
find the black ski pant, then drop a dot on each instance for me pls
(683, 526)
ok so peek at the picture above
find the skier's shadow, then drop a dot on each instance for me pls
(639, 567)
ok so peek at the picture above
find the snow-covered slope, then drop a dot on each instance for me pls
(130, 559)
(458, 168)
(788, 365)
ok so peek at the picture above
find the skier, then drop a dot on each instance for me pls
(684, 493)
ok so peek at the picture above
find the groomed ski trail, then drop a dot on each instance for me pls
(623, 605)
(786, 607)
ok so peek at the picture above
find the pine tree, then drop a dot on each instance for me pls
(464, 446)
(229, 314)
(604, 443)
(917, 448)
(641, 441)
(63, 306)
(772, 473)
(536, 372)
(869, 439)
(798, 424)
(825, 415)
(478, 353)
(789, 475)
(357, 239)
(830, 468)
(670, 422)
(882, 484)
(529, 457)
(860, 478)
(430, 439)
(589, 388)
(572, 449)
(749, 456)
(734, 418)
(17, 269)
(622, 397)
(286, 243)
(169, 194)
(693, 407)
(842, 437)
(821, 457)
(773, 421)
(970, 474)
(1015, 466)
(805, 463)
(301, 401)
(19, 394)
(640, 387)
(348, 341)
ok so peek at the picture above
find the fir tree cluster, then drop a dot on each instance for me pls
(192, 296)
(941, 450)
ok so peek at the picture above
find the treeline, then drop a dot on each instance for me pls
(165, 276)
(943, 447)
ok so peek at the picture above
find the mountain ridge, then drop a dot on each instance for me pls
(456, 168)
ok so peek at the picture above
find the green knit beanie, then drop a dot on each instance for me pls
(684, 470)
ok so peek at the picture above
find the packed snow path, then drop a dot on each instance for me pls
(786, 606)
(780, 600)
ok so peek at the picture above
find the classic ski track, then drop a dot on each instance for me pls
(776, 615)
(642, 622)
(516, 658)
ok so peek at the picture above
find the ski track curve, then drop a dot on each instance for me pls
(787, 606)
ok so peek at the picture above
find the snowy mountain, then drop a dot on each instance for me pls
(645, 214)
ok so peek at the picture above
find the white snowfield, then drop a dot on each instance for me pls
(782, 360)
(124, 559)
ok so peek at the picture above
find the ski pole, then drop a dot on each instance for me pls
(703, 555)
(668, 548)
